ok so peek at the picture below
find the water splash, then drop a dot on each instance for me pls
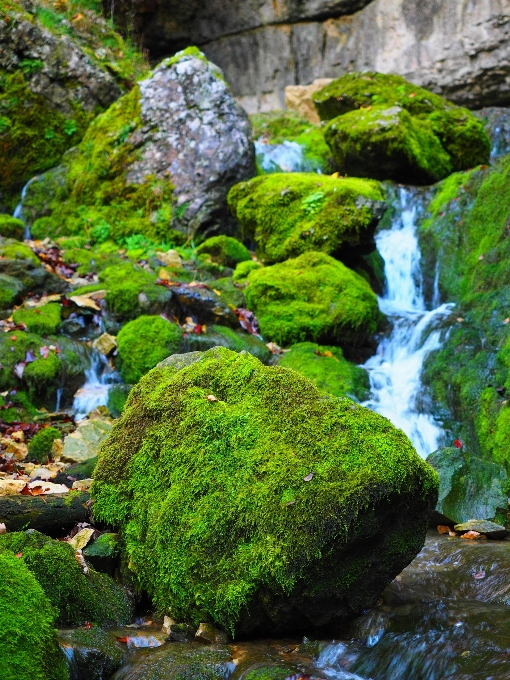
(18, 211)
(284, 157)
(395, 370)
(99, 378)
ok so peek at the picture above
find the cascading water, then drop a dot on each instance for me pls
(395, 369)
(99, 378)
(18, 211)
(284, 157)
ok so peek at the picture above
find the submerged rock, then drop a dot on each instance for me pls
(287, 215)
(92, 654)
(177, 143)
(246, 496)
(28, 640)
(384, 127)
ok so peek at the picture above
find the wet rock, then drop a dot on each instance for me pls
(205, 306)
(181, 632)
(103, 552)
(177, 421)
(221, 336)
(10, 291)
(92, 653)
(83, 444)
(54, 513)
(468, 485)
(210, 634)
(483, 526)
(170, 259)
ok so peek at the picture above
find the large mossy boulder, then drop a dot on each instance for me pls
(287, 214)
(78, 597)
(161, 159)
(316, 298)
(28, 639)
(384, 127)
(246, 496)
(62, 64)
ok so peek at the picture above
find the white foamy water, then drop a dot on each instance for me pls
(395, 370)
(99, 378)
(18, 211)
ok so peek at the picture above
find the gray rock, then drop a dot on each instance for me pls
(85, 441)
(92, 653)
(457, 49)
(483, 526)
(468, 486)
(205, 305)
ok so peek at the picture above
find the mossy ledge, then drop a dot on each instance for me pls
(247, 497)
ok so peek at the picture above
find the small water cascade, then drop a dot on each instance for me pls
(99, 378)
(18, 211)
(284, 157)
(395, 369)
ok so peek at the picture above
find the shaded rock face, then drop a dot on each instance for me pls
(455, 48)
(196, 133)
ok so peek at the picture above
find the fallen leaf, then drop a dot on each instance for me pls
(507, 320)
(18, 555)
(18, 369)
(458, 444)
(442, 529)
(474, 536)
(479, 575)
(3, 528)
(13, 337)
(413, 94)
(480, 258)
(309, 477)
(211, 397)
(44, 352)
(328, 353)
(460, 319)
(218, 292)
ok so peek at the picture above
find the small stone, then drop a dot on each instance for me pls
(18, 449)
(105, 344)
(483, 526)
(168, 622)
(210, 635)
(170, 259)
(81, 539)
(11, 487)
(3, 528)
(82, 485)
(181, 632)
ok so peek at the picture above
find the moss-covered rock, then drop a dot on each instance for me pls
(288, 214)
(117, 397)
(221, 336)
(18, 261)
(224, 250)
(244, 268)
(327, 368)
(11, 227)
(10, 291)
(57, 73)
(93, 653)
(280, 127)
(313, 297)
(103, 552)
(469, 486)
(145, 342)
(384, 127)
(41, 445)
(43, 320)
(28, 638)
(78, 597)
(112, 186)
(246, 496)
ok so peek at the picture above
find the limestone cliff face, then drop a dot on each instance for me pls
(458, 48)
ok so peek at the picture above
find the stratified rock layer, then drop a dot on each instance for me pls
(245, 495)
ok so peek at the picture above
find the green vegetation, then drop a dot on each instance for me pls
(145, 342)
(385, 127)
(117, 397)
(11, 227)
(224, 250)
(28, 639)
(15, 250)
(41, 445)
(90, 193)
(78, 597)
(277, 127)
(10, 291)
(327, 369)
(288, 214)
(315, 298)
(244, 268)
(43, 320)
(208, 493)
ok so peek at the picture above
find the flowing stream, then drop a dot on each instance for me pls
(395, 370)
(99, 378)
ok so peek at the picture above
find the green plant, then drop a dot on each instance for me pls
(41, 445)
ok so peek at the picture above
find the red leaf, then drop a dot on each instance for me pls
(18, 555)
(123, 639)
(25, 491)
(457, 443)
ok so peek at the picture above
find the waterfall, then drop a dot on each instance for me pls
(395, 370)
(284, 157)
(18, 211)
(99, 378)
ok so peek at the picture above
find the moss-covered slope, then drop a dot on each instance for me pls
(384, 127)
(313, 297)
(28, 639)
(287, 214)
(246, 496)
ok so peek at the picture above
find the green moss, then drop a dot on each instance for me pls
(17, 407)
(313, 297)
(221, 336)
(10, 291)
(11, 227)
(277, 127)
(244, 268)
(41, 374)
(385, 127)
(224, 250)
(95, 652)
(145, 342)
(40, 446)
(77, 597)
(117, 397)
(28, 639)
(41, 320)
(327, 369)
(292, 213)
(209, 494)
(90, 193)
(231, 293)
(124, 284)
(14, 250)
